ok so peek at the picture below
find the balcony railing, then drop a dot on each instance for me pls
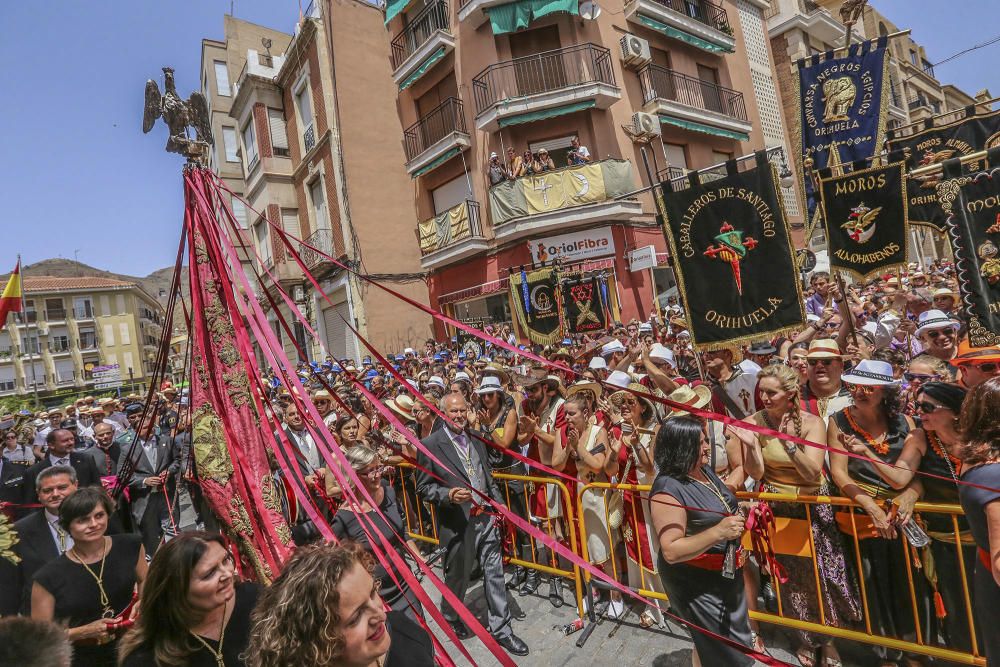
(447, 117)
(670, 174)
(456, 224)
(706, 12)
(30, 317)
(322, 240)
(433, 17)
(666, 84)
(56, 348)
(83, 313)
(309, 137)
(542, 73)
(53, 314)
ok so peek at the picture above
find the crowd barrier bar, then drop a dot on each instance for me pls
(918, 646)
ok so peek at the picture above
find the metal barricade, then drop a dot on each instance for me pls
(852, 550)
(420, 516)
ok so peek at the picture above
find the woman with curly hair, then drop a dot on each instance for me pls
(979, 425)
(786, 467)
(324, 610)
(193, 610)
(874, 430)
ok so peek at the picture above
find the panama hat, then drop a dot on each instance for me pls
(662, 353)
(562, 353)
(694, 397)
(584, 385)
(489, 384)
(823, 348)
(598, 364)
(612, 347)
(436, 381)
(871, 373)
(934, 319)
(401, 405)
(619, 379)
(634, 389)
(493, 368)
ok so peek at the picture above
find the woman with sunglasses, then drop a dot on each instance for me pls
(873, 431)
(15, 452)
(922, 369)
(348, 524)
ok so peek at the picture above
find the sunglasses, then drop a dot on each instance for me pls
(934, 333)
(987, 367)
(926, 407)
(374, 473)
(861, 388)
(918, 377)
(825, 362)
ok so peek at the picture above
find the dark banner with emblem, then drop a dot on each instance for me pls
(583, 307)
(933, 145)
(972, 204)
(733, 256)
(842, 107)
(865, 216)
(534, 295)
(470, 346)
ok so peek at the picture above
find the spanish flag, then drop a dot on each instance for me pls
(10, 301)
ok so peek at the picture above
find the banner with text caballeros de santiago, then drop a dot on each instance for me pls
(535, 298)
(842, 107)
(865, 216)
(972, 204)
(935, 144)
(732, 252)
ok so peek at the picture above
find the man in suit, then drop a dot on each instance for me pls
(60, 443)
(467, 534)
(153, 476)
(107, 453)
(310, 463)
(40, 539)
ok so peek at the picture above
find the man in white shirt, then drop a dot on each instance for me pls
(578, 154)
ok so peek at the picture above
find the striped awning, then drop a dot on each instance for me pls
(705, 129)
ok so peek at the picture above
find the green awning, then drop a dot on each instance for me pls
(518, 15)
(424, 66)
(532, 116)
(437, 163)
(394, 7)
(698, 42)
(706, 129)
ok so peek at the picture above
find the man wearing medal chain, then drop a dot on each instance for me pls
(466, 531)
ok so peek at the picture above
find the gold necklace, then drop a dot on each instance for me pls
(217, 654)
(715, 490)
(99, 578)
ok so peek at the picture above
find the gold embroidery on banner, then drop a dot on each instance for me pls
(838, 96)
(211, 456)
(200, 251)
(272, 501)
(947, 191)
(238, 387)
(228, 354)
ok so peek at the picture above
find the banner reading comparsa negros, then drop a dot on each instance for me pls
(733, 257)
(865, 216)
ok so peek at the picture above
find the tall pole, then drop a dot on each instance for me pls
(27, 336)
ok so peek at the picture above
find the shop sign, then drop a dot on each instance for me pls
(573, 247)
(642, 258)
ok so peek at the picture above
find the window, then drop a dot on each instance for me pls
(109, 336)
(304, 106)
(124, 334)
(222, 78)
(913, 58)
(119, 304)
(29, 344)
(321, 218)
(290, 222)
(719, 157)
(82, 308)
(54, 309)
(29, 314)
(129, 366)
(676, 156)
(263, 241)
(279, 138)
(230, 143)
(59, 343)
(239, 212)
(88, 339)
(250, 145)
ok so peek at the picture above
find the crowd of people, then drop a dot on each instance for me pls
(882, 381)
(529, 163)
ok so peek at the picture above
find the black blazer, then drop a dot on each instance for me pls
(11, 481)
(452, 518)
(87, 473)
(36, 547)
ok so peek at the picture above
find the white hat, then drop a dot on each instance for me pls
(598, 364)
(493, 155)
(488, 384)
(662, 353)
(612, 347)
(409, 350)
(619, 379)
(684, 334)
(645, 327)
(870, 372)
(462, 375)
(812, 318)
(436, 381)
(934, 319)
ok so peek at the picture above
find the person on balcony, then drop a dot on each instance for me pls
(525, 165)
(497, 172)
(578, 154)
(543, 162)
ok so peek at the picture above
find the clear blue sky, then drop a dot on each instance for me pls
(78, 175)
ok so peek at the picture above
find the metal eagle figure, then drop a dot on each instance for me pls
(178, 115)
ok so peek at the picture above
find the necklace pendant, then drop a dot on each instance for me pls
(108, 613)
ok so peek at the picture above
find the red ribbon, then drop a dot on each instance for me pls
(760, 524)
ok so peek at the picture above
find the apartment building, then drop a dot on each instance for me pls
(72, 325)
(801, 28)
(321, 157)
(690, 80)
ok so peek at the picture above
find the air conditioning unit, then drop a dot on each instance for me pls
(43, 329)
(645, 124)
(635, 51)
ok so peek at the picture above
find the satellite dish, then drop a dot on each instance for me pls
(589, 10)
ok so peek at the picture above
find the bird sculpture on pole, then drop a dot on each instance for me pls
(178, 114)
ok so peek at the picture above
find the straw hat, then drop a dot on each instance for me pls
(694, 397)
(634, 389)
(563, 353)
(598, 364)
(584, 385)
(489, 384)
(823, 348)
(402, 405)
(493, 368)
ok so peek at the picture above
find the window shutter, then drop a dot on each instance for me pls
(250, 143)
(124, 334)
(231, 144)
(221, 78)
(290, 222)
(276, 121)
(240, 213)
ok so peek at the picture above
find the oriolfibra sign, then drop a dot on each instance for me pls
(573, 247)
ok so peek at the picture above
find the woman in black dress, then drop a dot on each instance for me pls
(193, 611)
(693, 542)
(91, 588)
(347, 525)
(980, 428)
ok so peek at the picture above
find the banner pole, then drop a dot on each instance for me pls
(27, 335)
(849, 314)
(988, 104)
(934, 168)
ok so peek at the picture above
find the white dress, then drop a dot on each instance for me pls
(594, 510)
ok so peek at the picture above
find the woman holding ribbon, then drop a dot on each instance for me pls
(698, 527)
(866, 440)
(782, 466)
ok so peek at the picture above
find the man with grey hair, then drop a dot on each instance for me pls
(40, 538)
(60, 444)
(468, 533)
(107, 452)
(26, 642)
